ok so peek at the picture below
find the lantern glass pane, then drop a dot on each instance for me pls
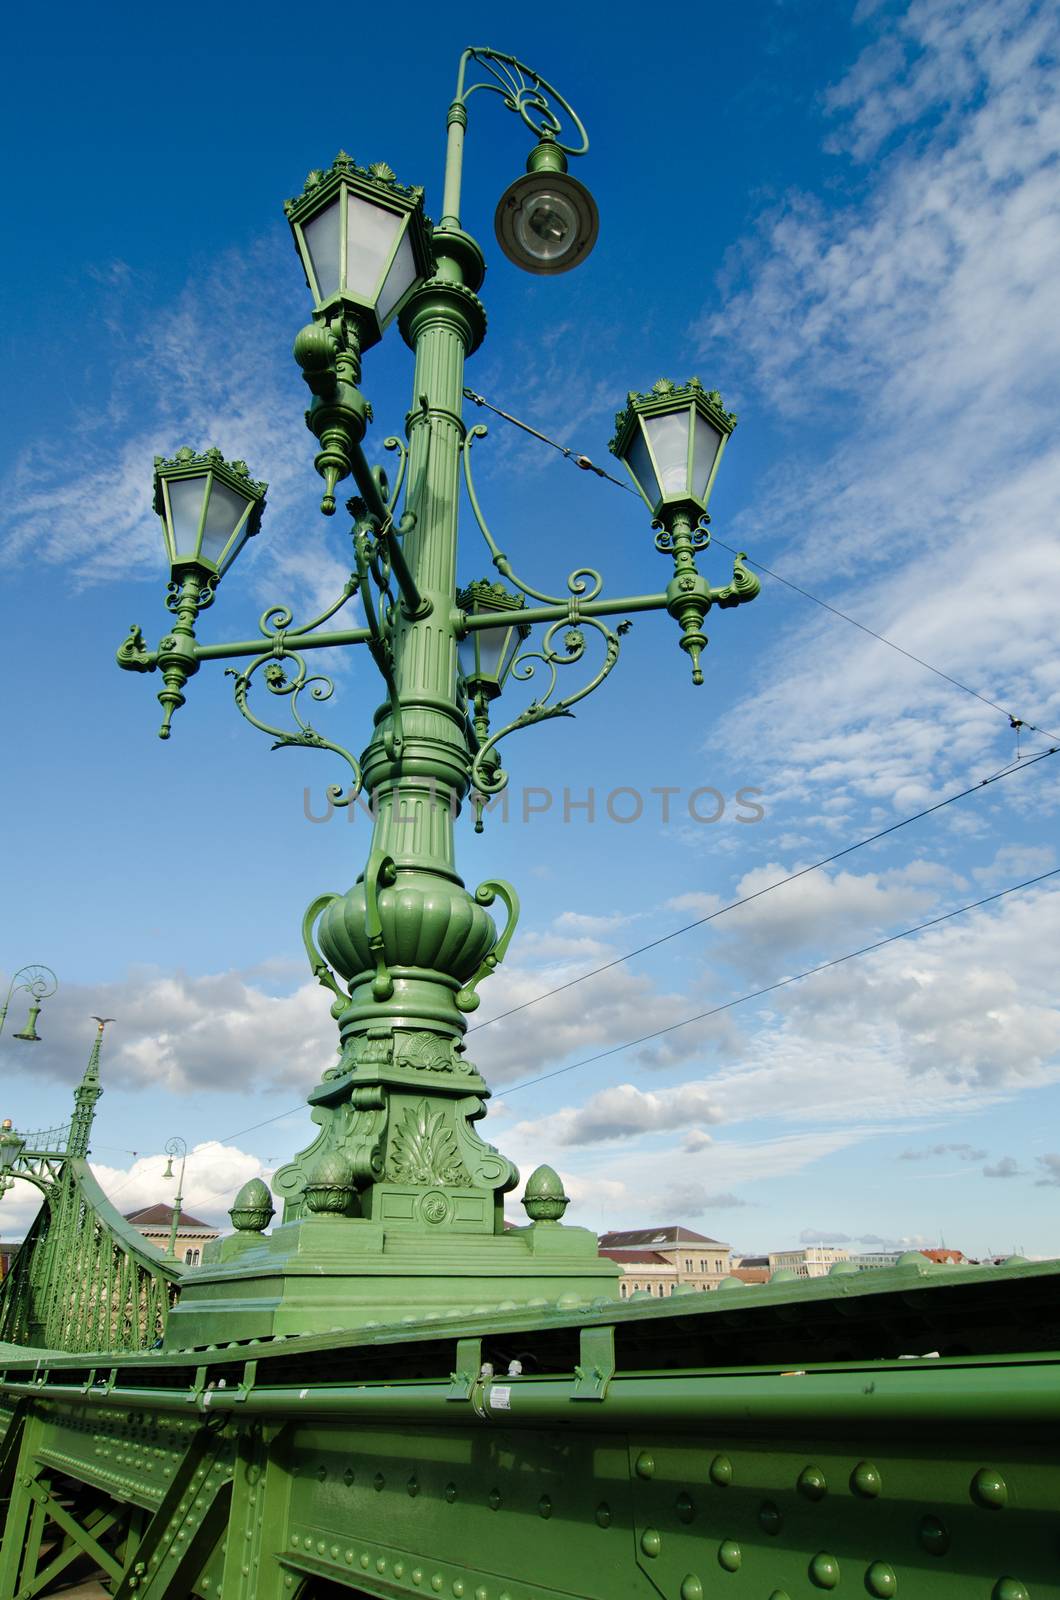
(669, 442)
(640, 464)
(322, 240)
(185, 503)
(465, 655)
(491, 650)
(222, 518)
(400, 278)
(707, 445)
(370, 234)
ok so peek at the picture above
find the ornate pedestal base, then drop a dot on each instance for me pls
(320, 1274)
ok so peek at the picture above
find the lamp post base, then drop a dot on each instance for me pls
(323, 1273)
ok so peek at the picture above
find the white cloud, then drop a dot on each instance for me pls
(921, 321)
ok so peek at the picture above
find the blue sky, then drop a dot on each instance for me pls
(844, 217)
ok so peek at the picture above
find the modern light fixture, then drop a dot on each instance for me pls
(546, 222)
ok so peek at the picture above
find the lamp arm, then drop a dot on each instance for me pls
(585, 591)
(487, 777)
(525, 92)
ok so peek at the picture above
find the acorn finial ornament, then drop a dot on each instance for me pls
(544, 1199)
(252, 1209)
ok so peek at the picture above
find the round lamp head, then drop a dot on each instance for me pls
(547, 221)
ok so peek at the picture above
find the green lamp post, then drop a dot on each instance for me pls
(396, 1207)
(40, 984)
(175, 1147)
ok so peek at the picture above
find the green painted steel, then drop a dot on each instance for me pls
(83, 1279)
(390, 1393)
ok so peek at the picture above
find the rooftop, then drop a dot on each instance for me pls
(655, 1238)
(161, 1216)
(639, 1258)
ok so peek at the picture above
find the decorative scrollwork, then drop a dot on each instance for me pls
(487, 776)
(527, 93)
(394, 443)
(699, 538)
(204, 598)
(280, 681)
(585, 583)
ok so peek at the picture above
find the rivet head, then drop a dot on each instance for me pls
(544, 1506)
(380, 1564)
(1009, 1589)
(413, 1486)
(482, 1594)
(603, 1515)
(881, 1579)
(651, 1541)
(721, 1471)
(349, 1558)
(417, 1575)
(450, 1492)
(989, 1489)
(365, 1559)
(691, 1588)
(934, 1535)
(779, 1594)
(812, 1483)
(729, 1555)
(865, 1480)
(458, 1588)
(437, 1582)
(347, 1476)
(770, 1518)
(644, 1465)
(824, 1570)
(494, 1499)
(378, 1483)
(685, 1507)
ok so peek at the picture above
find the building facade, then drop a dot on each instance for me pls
(193, 1235)
(656, 1260)
(812, 1261)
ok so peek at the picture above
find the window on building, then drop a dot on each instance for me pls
(662, 1290)
(622, 1290)
(688, 1264)
(191, 1258)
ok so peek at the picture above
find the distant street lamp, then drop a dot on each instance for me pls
(175, 1147)
(399, 1178)
(40, 983)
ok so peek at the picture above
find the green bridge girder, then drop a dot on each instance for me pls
(774, 1441)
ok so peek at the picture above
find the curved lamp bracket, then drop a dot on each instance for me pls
(525, 92)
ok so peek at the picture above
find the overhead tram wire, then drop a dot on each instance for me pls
(588, 465)
(778, 883)
(859, 844)
(782, 983)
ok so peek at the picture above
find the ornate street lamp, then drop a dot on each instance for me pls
(397, 1205)
(671, 442)
(364, 243)
(11, 1145)
(209, 509)
(487, 655)
(175, 1147)
(40, 983)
